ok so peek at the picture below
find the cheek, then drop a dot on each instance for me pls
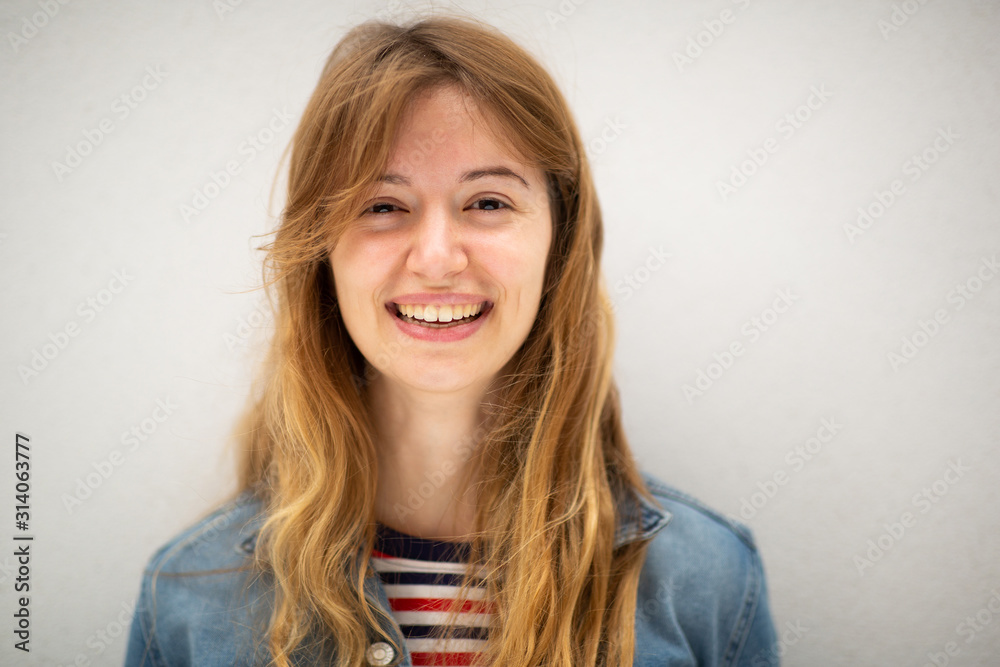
(355, 297)
(537, 258)
(351, 298)
(521, 271)
(341, 275)
(358, 269)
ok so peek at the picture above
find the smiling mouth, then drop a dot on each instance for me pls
(476, 311)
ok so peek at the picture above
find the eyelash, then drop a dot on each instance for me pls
(502, 205)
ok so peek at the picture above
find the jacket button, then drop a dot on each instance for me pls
(380, 654)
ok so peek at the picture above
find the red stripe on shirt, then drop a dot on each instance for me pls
(439, 604)
(446, 659)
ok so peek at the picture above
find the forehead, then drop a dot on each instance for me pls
(445, 126)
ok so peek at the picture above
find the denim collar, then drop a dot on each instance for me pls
(639, 519)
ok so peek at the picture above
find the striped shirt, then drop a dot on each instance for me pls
(421, 577)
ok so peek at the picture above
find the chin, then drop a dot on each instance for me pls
(442, 380)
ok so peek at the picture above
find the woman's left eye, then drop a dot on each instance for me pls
(489, 204)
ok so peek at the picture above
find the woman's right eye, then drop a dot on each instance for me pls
(381, 208)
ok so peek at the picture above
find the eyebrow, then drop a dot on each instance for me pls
(504, 172)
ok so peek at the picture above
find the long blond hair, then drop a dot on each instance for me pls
(554, 460)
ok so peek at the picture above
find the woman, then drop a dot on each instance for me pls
(436, 470)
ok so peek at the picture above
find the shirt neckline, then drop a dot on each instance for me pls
(395, 544)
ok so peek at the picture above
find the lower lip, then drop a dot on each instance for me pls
(440, 335)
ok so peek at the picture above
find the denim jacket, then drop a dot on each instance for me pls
(702, 597)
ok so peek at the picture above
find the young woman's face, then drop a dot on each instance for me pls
(459, 226)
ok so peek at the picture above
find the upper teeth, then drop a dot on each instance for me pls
(445, 313)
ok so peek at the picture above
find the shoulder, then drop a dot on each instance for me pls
(691, 524)
(702, 592)
(198, 587)
(221, 540)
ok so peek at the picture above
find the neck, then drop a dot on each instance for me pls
(425, 443)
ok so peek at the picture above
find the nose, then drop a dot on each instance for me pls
(436, 249)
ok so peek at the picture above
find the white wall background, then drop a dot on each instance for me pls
(177, 332)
